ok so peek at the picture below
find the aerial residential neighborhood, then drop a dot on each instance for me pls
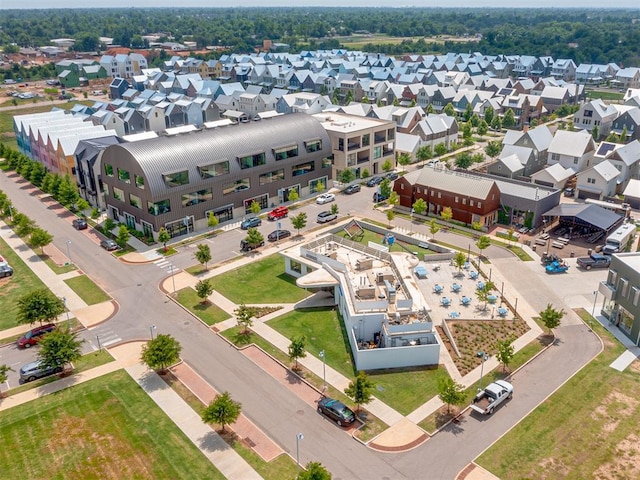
(320, 254)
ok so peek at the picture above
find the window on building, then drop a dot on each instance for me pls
(262, 200)
(313, 146)
(158, 208)
(575, 160)
(391, 134)
(464, 201)
(366, 139)
(479, 205)
(118, 194)
(471, 203)
(456, 199)
(176, 179)
(108, 170)
(295, 266)
(271, 177)
(195, 198)
(318, 185)
(285, 152)
(439, 194)
(134, 201)
(555, 157)
(303, 168)
(214, 169)
(124, 176)
(139, 181)
(327, 163)
(251, 161)
(591, 180)
(377, 152)
(236, 186)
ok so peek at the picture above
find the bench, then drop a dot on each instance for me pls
(423, 245)
(564, 240)
(541, 241)
(557, 244)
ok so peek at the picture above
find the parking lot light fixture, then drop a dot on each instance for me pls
(152, 329)
(299, 437)
(69, 251)
(324, 370)
(484, 358)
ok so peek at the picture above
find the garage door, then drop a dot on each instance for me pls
(584, 194)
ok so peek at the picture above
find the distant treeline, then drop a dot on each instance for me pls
(587, 36)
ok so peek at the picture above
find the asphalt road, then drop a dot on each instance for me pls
(274, 408)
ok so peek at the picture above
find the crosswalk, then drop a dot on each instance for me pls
(166, 265)
(102, 336)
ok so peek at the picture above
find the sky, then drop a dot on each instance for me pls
(598, 4)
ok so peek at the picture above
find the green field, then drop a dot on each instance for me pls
(107, 428)
(87, 290)
(259, 282)
(12, 288)
(208, 313)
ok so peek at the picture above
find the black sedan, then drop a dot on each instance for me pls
(352, 189)
(80, 224)
(373, 181)
(336, 411)
(278, 235)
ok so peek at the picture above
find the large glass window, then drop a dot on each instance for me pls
(327, 162)
(377, 152)
(285, 152)
(158, 208)
(302, 168)
(176, 179)
(139, 181)
(195, 198)
(124, 176)
(262, 200)
(271, 177)
(236, 186)
(214, 169)
(108, 170)
(134, 201)
(318, 185)
(366, 139)
(313, 146)
(223, 214)
(251, 161)
(118, 194)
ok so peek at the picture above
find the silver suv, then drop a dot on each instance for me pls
(327, 216)
(34, 370)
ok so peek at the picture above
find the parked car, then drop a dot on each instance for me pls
(34, 370)
(247, 247)
(569, 192)
(326, 216)
(278, 213)
(109, 244)
(352, 189)
(325, 198)
(34, 335)
(5, 270)
(336, 411)
(379, 197)
(80, 224)
(278, 235)
(493, 395)
(250, 222)
(392, 175)
(373, 181)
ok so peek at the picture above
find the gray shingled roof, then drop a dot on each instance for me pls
(454, 182)
(175, 153)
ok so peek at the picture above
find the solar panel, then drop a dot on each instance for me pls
(605, 148)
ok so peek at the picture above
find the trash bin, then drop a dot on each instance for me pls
(573, 254)
(533, 247)
(588, 251)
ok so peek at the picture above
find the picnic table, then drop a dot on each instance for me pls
(437, 288)
(473, 275)
(492, 298)
(502, 312)
(456, 287)
(446, 301)
(480, 285)
(465, 300)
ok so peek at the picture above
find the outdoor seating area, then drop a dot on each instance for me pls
(445, 301)
(437, 288)
(465, 301)
(473, 275)
(456, 287)
(420, 271)
(502, 312)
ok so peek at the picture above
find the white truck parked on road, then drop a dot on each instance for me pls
(493, 395)
(619, 240)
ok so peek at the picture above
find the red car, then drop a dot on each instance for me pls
(34, 335)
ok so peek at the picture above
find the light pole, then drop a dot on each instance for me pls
(324, 371)
(11, 212)
(69, 251)
(64, 302)
(152, 329)
(484, 357)
(298, 438)
(593, 310)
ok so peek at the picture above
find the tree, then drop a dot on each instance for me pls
(23, 224)
(420, 206)
(222, 410)
(450, 392)
(109, 225)
(505, 352)
(314, 471)
(393, 199)
(510, 235)
(434, 227)
(244, 316)
(123, 236)
(164, 237)
(360, 390)
(390, 216)
(468, 113)
(424, 153)
(488, 115)
(4, 375)
(493, 148)
(551, 317)
(459, 259)
(299, 221)
(496, 123)
(255, 207)
(464, 160)
(82, 205)
(483, 242)
(203, 254)
(162, 351)
(595, 133)
(440, 149)
(347, 176)
(204, 289)
(293, 195)
(484, 292)
(365, 173)
(509, 119)
(212, 220)
(475, 120)
(334, 209)
(404, 159)
(297, 349)
(59, 347)
(447, 214)
(467, 131)
(449, 110)
(254, 238)
(387, 166)
(67, 193)
(39, 306)
(385, 188)
(40, 238)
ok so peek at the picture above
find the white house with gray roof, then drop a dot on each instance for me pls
(572, 150)
(598, 181)
(555, 176)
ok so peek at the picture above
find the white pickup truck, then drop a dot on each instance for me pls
(492, 396)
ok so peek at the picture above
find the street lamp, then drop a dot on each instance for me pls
(324, 370)
(11, 212)
(152, 329)
(593, 310)
(298, 438)
(484, 357)
(69, 251)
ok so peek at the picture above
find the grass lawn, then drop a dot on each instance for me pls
(55, 268)
(208, 313)
(259, 282)
(12, 288)
(87, 290)
(376, 238)
(107, 428)
(586, 430)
